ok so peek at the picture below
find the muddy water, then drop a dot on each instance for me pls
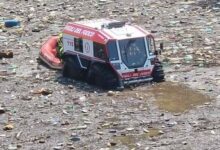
(169, 96)
(130, 141)
(176, 98)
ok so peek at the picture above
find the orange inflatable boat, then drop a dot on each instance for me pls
(48, 53)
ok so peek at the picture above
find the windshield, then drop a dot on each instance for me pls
(133, 52)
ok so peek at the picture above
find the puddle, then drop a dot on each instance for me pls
(131, 140)
(177, 98)
(152, 133)
(170, 96)
(112, 119)
(128, 141)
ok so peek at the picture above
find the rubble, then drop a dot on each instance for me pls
(40, 108)
(111, 93)
(6, 54)
(43, 91)
(2, 110)
(8, 127)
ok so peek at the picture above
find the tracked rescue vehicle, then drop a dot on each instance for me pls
(109, 53)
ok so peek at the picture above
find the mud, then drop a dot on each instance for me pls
(41, 110)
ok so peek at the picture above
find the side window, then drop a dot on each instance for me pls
(78, 45)
(99, 50)
(112, 50)
(150, 43)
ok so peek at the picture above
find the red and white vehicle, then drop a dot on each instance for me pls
(110, 53)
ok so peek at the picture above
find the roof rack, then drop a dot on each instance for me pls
(111, 25)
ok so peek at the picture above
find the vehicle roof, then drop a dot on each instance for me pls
(102, 30)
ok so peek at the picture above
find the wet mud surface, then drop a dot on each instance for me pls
(39, 109)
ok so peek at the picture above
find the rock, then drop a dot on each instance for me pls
(70, 86)
(2, 135)
(138, 145)
(131, 9)
(63, 123)
(79, 127)
(65, 112)
(184, 143)
(30, 16)
(57, 148)
(75, 138)
(160, 132)
(102, 0)
(41, 141)
(35, 29)
(111, 93)
(100, 133)
(60, 144)
(147, 148)
(18, 135)
(84, 111)
(6, 54)
(177, 66)
(112, 144)
(87, 122)
(71, 147)
(112, 131)
(188, 58)
(146, 130)
(26, 98)
(171, 123)
(8, 127)
(52, 15)
(81, 17)
(43, 91)
(82, 98)
(129, 129)
(2, 110)
(19, 146)
(213, 132)
(12, 147)
(174, 60)
(153, 31)
(54, 120)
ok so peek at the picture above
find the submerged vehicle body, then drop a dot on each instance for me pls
(109, 53)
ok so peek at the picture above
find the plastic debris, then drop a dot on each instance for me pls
(12, 23)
